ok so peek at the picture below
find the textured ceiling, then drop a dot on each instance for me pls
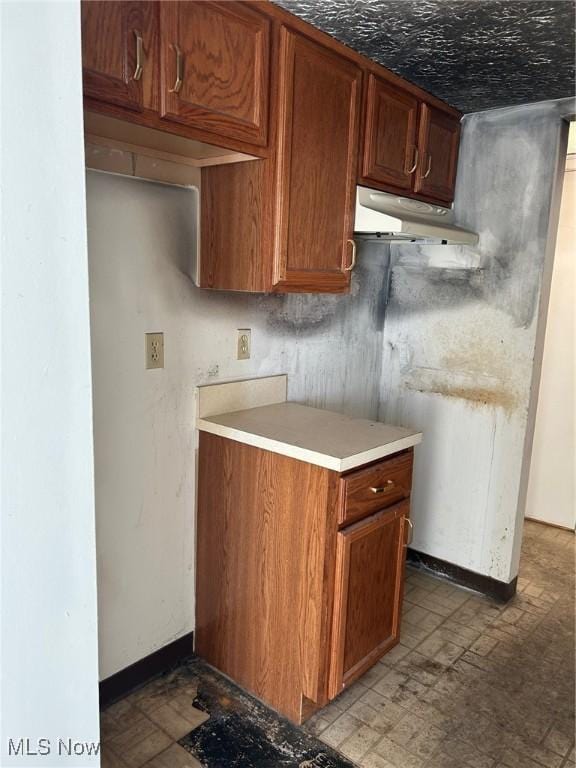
(474, 54)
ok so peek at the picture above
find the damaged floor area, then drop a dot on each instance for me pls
(194, 717)
(473, 684)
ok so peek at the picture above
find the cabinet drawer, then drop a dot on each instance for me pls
(380, 485)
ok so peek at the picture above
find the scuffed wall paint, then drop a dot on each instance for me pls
(330, 346)
(460, 341)
(139, 236)
(455, 359)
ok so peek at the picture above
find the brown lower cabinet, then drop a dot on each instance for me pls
(368, 593)
(292, 603)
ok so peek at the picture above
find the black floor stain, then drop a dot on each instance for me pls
(242, 733)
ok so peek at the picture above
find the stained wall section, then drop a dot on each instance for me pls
(446, 340)
(139, 240)
(462, 339)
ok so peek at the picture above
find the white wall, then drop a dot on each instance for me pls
(139, 236)
(551, 494)
(461, 345)
(49, 634)
(456, 359)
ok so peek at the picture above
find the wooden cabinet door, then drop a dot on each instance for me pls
(113, 52)
(438, 143)
(316, 172)
(369, 578)
(215, 61)
(389, 153)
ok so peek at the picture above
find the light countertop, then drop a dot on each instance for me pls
(314, 435)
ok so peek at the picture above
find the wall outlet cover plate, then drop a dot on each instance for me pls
(244, 346)
(154, 350)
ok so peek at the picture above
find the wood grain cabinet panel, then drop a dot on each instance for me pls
(112, 33)
(236, 244)
(369, 571)
(291, 224)
(316, 165)
(215, 62)
(380, 485)
(248, 76)
(265, 571)
(389, 152)
(287, 605)
(439, 139)
(409, 146)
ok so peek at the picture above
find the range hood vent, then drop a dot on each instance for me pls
(380, 214)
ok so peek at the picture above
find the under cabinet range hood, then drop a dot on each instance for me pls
(400, 218)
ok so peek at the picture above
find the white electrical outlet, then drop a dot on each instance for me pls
(244, 346)
(154, 350)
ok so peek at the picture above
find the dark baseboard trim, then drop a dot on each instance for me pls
(500, 590)
(122, 683)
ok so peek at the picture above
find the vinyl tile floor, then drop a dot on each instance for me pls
(473, 684)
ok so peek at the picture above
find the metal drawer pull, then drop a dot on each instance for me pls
(411, 534)
(139, 57)
(415, 161)
(429, 167)
(353, 262)
(179, 69)
(383, 488)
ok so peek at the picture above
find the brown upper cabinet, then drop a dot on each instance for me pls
(282, 119)
(389, 151)
(286, 223)
(438, 141)
(113, 52)
(215, 60)
(316, 165)
(200, 70)
(409, 146)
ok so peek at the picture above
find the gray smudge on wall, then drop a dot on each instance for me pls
(506, 173)
(460, 340)
(330, 345)
(312, 313)
(139, 242)
(505, 192)
(504, 187)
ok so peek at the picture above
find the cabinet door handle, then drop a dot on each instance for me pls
(429, 167)
(383, 488)
(411, 533)
(139, 56)
(179, 69)
(353, 262)
(415, 161)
